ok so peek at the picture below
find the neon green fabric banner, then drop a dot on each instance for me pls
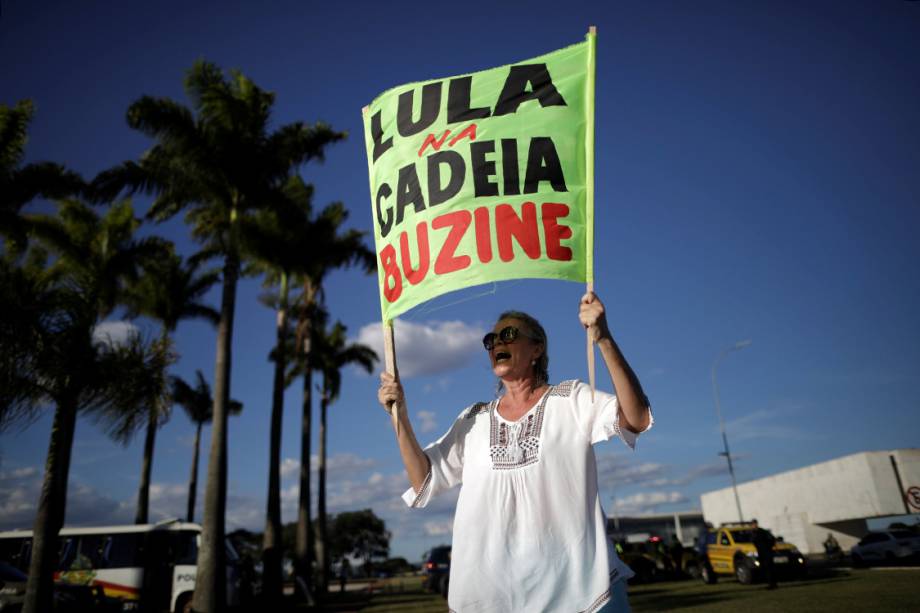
(483, 177)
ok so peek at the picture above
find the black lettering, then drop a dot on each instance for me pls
(384, 191)
(408, 192)
(380, 145)
(456, 169)
(514, 93)
(510, 171)
(483, 169)
(543, 165)
(458, 102)
(431, 106)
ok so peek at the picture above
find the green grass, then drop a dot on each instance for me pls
(832, 591)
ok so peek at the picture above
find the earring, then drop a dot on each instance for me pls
(533, 362)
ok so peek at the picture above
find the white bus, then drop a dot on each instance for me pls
(149, 567)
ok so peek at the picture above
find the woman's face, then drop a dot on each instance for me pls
(514, 359)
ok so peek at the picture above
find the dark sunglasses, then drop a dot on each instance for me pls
(506, 335)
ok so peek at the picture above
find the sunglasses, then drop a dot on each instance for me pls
(506, 335)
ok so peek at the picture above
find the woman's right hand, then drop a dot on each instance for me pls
(390, 392)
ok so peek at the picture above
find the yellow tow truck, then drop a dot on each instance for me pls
(730, 551)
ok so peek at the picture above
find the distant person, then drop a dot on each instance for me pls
(677, 554)
(529, 531)
(831, 547)
(764, 542)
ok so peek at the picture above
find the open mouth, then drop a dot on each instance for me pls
(501, 356)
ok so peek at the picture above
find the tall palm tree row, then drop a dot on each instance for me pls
(70, 366)
(334, 248)
(219, 163)
(169, 291)
(334, 353)
(198, 405)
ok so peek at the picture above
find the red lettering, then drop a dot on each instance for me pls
(468, 131)
(421, 238)
(458, 221)
(523, 229)
(483, 235)
(435, 143)
(553, 232)
(390, 271)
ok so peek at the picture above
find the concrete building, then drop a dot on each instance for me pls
(836, 497)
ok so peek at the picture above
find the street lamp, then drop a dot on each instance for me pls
(715, 392)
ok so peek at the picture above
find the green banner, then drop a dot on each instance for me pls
(483, 177)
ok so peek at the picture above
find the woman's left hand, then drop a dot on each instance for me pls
(593, 316)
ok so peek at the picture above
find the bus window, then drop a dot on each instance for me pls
(89, 552)
(185, 550)
(16, 551)
(66, 552)
(122, 550)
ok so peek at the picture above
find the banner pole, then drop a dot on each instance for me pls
(389, 359)
(589, 188)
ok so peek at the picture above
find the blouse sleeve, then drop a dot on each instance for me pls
(446, 457)
(600, 419)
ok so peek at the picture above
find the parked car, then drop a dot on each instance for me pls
(730, 551)
(886, 546)
(436, 568)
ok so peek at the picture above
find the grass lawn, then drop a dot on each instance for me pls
(833, 591)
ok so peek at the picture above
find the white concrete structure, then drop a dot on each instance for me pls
(837, 497)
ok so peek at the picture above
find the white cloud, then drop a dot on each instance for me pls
(647, 502)
(338, 464)
(765, 424)
(427, 421)
(427, 348)
(114, 332)
(439, 528)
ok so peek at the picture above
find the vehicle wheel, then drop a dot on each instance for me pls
(445, 584)
(693, 569)
(890, 558)
(184, 604)
(857, 560)
(744, 572)
(707, 574)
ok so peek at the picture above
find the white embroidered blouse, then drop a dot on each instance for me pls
(529, 531)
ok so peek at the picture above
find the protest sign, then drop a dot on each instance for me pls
(483, 177)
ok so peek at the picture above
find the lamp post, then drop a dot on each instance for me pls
(715, 392)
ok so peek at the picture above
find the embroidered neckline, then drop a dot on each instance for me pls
(516, 444)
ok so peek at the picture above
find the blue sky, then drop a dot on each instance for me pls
(757, 178)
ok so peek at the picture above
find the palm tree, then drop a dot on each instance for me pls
(72, 370)
(334, 249)
(199, 406)
(169, 291)
(19, 184)
(333, 354)
(279, 242)
(219, 163)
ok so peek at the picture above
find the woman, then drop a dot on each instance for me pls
(529, 532)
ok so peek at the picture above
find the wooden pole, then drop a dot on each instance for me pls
(389, 359)
(591, 378)
(589, 243)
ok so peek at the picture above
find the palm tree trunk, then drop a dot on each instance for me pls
(321, 543)
(153, 423)
(143, 492)
(193, 479)
(304, 545)
(271, 541)
(51, 510)
(211, 579)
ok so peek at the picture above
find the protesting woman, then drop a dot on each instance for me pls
(529, 531)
